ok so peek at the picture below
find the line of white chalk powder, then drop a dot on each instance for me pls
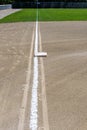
(34, 101)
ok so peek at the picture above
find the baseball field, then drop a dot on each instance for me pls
(43, 72)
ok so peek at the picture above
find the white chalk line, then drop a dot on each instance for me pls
(26, 89)
(44, 99)
(36, 39)
(34, 101)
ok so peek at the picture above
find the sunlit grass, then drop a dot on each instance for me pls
(26, 15)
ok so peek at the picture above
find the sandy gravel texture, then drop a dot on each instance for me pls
(4, 13)
(15, 41)
(66, 74)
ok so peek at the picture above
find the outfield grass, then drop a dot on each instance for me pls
(20, 16)
(47, 15)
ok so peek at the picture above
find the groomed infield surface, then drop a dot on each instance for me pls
(43, 93)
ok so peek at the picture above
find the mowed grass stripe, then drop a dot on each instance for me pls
(26, 15)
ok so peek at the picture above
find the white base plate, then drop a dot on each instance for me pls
(41, 54)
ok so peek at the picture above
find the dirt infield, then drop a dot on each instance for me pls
(15, 41)
(66, 74)
(62, 93)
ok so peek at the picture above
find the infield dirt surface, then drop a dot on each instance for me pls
(65, 75)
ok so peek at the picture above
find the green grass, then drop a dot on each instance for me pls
(47, 15)
(63, 14)
(20, 16)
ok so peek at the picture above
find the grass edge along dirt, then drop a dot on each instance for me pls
(26, 15)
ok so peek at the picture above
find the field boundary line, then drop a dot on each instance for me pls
(34, 96)
(44, 99)
(26, 89)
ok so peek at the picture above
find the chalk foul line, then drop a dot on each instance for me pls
(34, 101)
(34, 97)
